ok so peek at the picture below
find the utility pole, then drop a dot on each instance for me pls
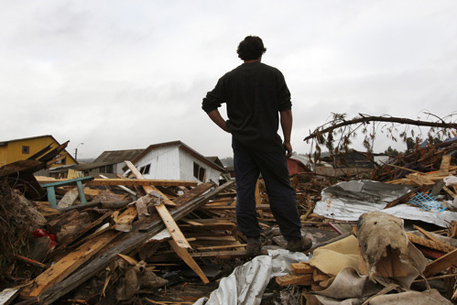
(76, 151)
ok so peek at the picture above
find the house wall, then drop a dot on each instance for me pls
(12, 151)
(3, 154)
(171, 162)
(187, 168)
(118, 168)
(164, 163)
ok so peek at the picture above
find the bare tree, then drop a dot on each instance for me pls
(338, 133)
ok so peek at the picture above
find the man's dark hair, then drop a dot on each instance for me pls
(251, 48)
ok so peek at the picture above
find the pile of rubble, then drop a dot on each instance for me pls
(138, 241)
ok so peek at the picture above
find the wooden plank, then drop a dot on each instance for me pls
(302, 268)
(122, 186)
(233, 206)
(68, 199)
(295, 279)
(428, 235)
(66, 265)
(441, 263)
(445, 165)
(219, 255)
(420, 179)
(429, 243)
(172, 227)
(185, 256)
(123, 223)
(453, 229)
(127, 182)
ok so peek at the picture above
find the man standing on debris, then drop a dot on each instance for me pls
(254, 94)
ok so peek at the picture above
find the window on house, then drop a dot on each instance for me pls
(25, 150)
(145, 169)
(109, 168)
(199, 172)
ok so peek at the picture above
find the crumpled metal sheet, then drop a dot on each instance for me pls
(441, 219)
(348, 200)
(247, 283)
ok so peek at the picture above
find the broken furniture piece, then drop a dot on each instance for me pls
(79, 184)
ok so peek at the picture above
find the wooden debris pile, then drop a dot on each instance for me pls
(114, 247)
(112, 243)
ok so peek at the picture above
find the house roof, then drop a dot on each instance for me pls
(84, 166)
(184, 147)
(25, 139)
(117, 156)
(216, 160)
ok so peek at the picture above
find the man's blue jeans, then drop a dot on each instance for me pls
(248, 165)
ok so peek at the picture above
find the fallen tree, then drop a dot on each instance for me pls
(337, 134)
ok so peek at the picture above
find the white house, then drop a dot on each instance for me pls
(176, 161)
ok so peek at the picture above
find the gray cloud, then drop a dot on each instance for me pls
(118, 75)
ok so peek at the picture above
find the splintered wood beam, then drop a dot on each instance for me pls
(66, 265)
(148, 188)
(126, 181)
(141, 182)
(124, 222)
(168, 220)
(441, 263)
(440, 246)
(295, 279)
(185, 256)
(302, 268)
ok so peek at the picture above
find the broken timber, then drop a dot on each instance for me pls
(127, 182)
(66, 265)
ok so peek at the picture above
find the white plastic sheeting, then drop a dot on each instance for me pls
(348, 200)
(247, 283)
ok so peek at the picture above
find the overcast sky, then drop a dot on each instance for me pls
(126, 74)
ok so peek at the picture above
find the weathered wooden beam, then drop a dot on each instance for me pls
(66, 265)
(441, 263)
(295, 279)
(127, 182)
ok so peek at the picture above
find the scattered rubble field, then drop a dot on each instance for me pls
(131, 240)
